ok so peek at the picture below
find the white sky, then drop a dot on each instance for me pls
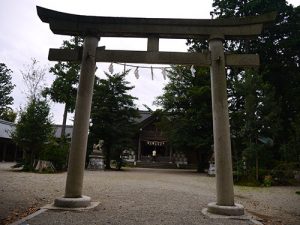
(23, 36)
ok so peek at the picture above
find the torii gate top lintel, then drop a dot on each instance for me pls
(154, 29)
(79, 25)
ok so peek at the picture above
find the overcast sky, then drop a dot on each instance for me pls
(23, 36)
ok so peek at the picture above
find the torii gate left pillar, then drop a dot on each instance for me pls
(73, 193)
(222, 146)
(92, 28)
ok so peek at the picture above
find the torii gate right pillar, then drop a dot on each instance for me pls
(222, 146)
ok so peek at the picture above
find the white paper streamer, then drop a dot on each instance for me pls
(111, 68)
(164, 73)
(136, 73)
(152, 74)
(125, 68)
(193, 71)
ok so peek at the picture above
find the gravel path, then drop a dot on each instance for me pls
(140, 196)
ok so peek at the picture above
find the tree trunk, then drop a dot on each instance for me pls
(32, 158)
(199, 162)
(63, 127)
(256, 164)
(256, 160)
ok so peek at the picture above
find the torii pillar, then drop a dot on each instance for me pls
(215, 31)
(73, 197)
(222, 147)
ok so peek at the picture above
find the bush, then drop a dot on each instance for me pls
(57, 153)
(283, 173)
(248, 181)
(27, 167)
(249, 178)
(267, 181)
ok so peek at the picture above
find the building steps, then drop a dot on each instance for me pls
(160, 165)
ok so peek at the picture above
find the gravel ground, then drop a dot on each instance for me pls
(140, 196)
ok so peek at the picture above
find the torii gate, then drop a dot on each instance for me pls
(213, 30)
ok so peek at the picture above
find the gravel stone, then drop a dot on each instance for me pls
(142, 196)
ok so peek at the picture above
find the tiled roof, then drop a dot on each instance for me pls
(6, 128)
(68, 131)
(143, 115)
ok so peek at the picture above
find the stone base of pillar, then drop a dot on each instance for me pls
(82, 202)
(236, 210)
(96, 162)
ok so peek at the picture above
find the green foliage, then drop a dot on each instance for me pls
(6, 87)
(277, 47)
(263, 103)
(249, 181)
(253, 117)
(56, 151)
(64, 87)
(113, 113)
(187, 103)
(268, 181)
(9, 115)
(33, 129)
(290, 151)
(284, 172)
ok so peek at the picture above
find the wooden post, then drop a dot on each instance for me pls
(222, 146)
(139, 148)
(77, 155)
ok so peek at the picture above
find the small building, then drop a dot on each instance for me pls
(68, 131)
(150, 138)
(9, 152)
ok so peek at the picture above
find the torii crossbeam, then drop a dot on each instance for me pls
(213, 30)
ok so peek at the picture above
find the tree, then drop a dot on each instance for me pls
(257, 120)
(33, 130)
(290, 151)
(188, 120)
(112, 115)
(6, 87)
(34, 76)
(64, 87)
(263, 103)
(9, 115)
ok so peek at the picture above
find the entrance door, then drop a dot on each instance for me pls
(147, 147)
